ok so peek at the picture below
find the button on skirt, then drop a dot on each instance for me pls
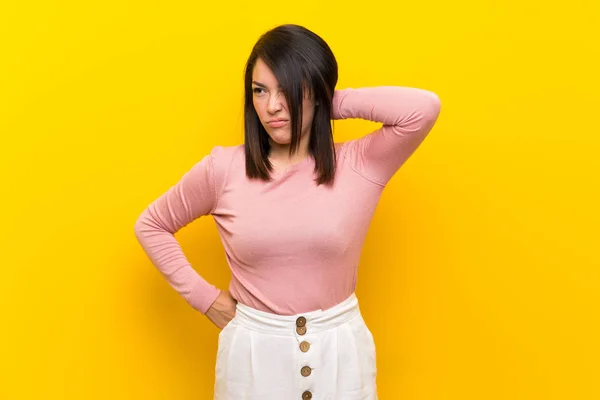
(318, 355)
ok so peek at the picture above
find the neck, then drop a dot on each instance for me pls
(282, 151)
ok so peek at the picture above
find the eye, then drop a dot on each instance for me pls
(257, 90)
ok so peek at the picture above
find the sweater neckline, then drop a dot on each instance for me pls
(308, 160)
(293, 167)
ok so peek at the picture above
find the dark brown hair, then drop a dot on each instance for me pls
(300, 60)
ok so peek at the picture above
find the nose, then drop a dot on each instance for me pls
(275, 103)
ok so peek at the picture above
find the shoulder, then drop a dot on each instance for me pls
(339, 145)
(223, 159)
(342, 148)
(225, 154)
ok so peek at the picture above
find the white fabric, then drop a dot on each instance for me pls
(259, 356)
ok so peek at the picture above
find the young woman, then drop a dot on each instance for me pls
(292, 208)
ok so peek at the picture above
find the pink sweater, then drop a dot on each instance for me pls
(292, 246)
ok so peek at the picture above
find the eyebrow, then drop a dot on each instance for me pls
(263, 85)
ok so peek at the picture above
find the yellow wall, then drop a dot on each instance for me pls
(479, 276)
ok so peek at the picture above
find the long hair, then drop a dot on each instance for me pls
(301, 61)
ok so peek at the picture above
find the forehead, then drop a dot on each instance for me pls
(263, 74)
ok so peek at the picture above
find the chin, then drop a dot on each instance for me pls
(280, 137)
(279, 140)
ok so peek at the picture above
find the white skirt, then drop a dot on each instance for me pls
(318, 355)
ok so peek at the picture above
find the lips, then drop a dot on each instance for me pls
(276, 123)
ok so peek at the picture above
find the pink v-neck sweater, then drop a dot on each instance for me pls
(292, 246)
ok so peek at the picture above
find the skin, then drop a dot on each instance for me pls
(223, 309)
(269, 103)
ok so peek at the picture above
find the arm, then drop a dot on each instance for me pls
(407, 114)
(193, 196)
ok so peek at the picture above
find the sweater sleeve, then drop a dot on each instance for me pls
(407, 114)
(194, 195)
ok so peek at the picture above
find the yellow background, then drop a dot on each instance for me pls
(480, 274)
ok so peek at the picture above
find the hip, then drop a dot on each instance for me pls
(322, 354)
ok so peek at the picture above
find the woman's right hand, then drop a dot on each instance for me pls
(223, 309)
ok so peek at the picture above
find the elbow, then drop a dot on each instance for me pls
(427, 107)
(149, 223)
(141, 223)
(432, 110)
(435, 105)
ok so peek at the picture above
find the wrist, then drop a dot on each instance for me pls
(335, 104)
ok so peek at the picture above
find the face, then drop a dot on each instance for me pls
(271, 106)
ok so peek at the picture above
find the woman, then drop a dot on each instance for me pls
(292, 208)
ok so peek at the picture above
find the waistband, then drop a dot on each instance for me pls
(315, 321)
